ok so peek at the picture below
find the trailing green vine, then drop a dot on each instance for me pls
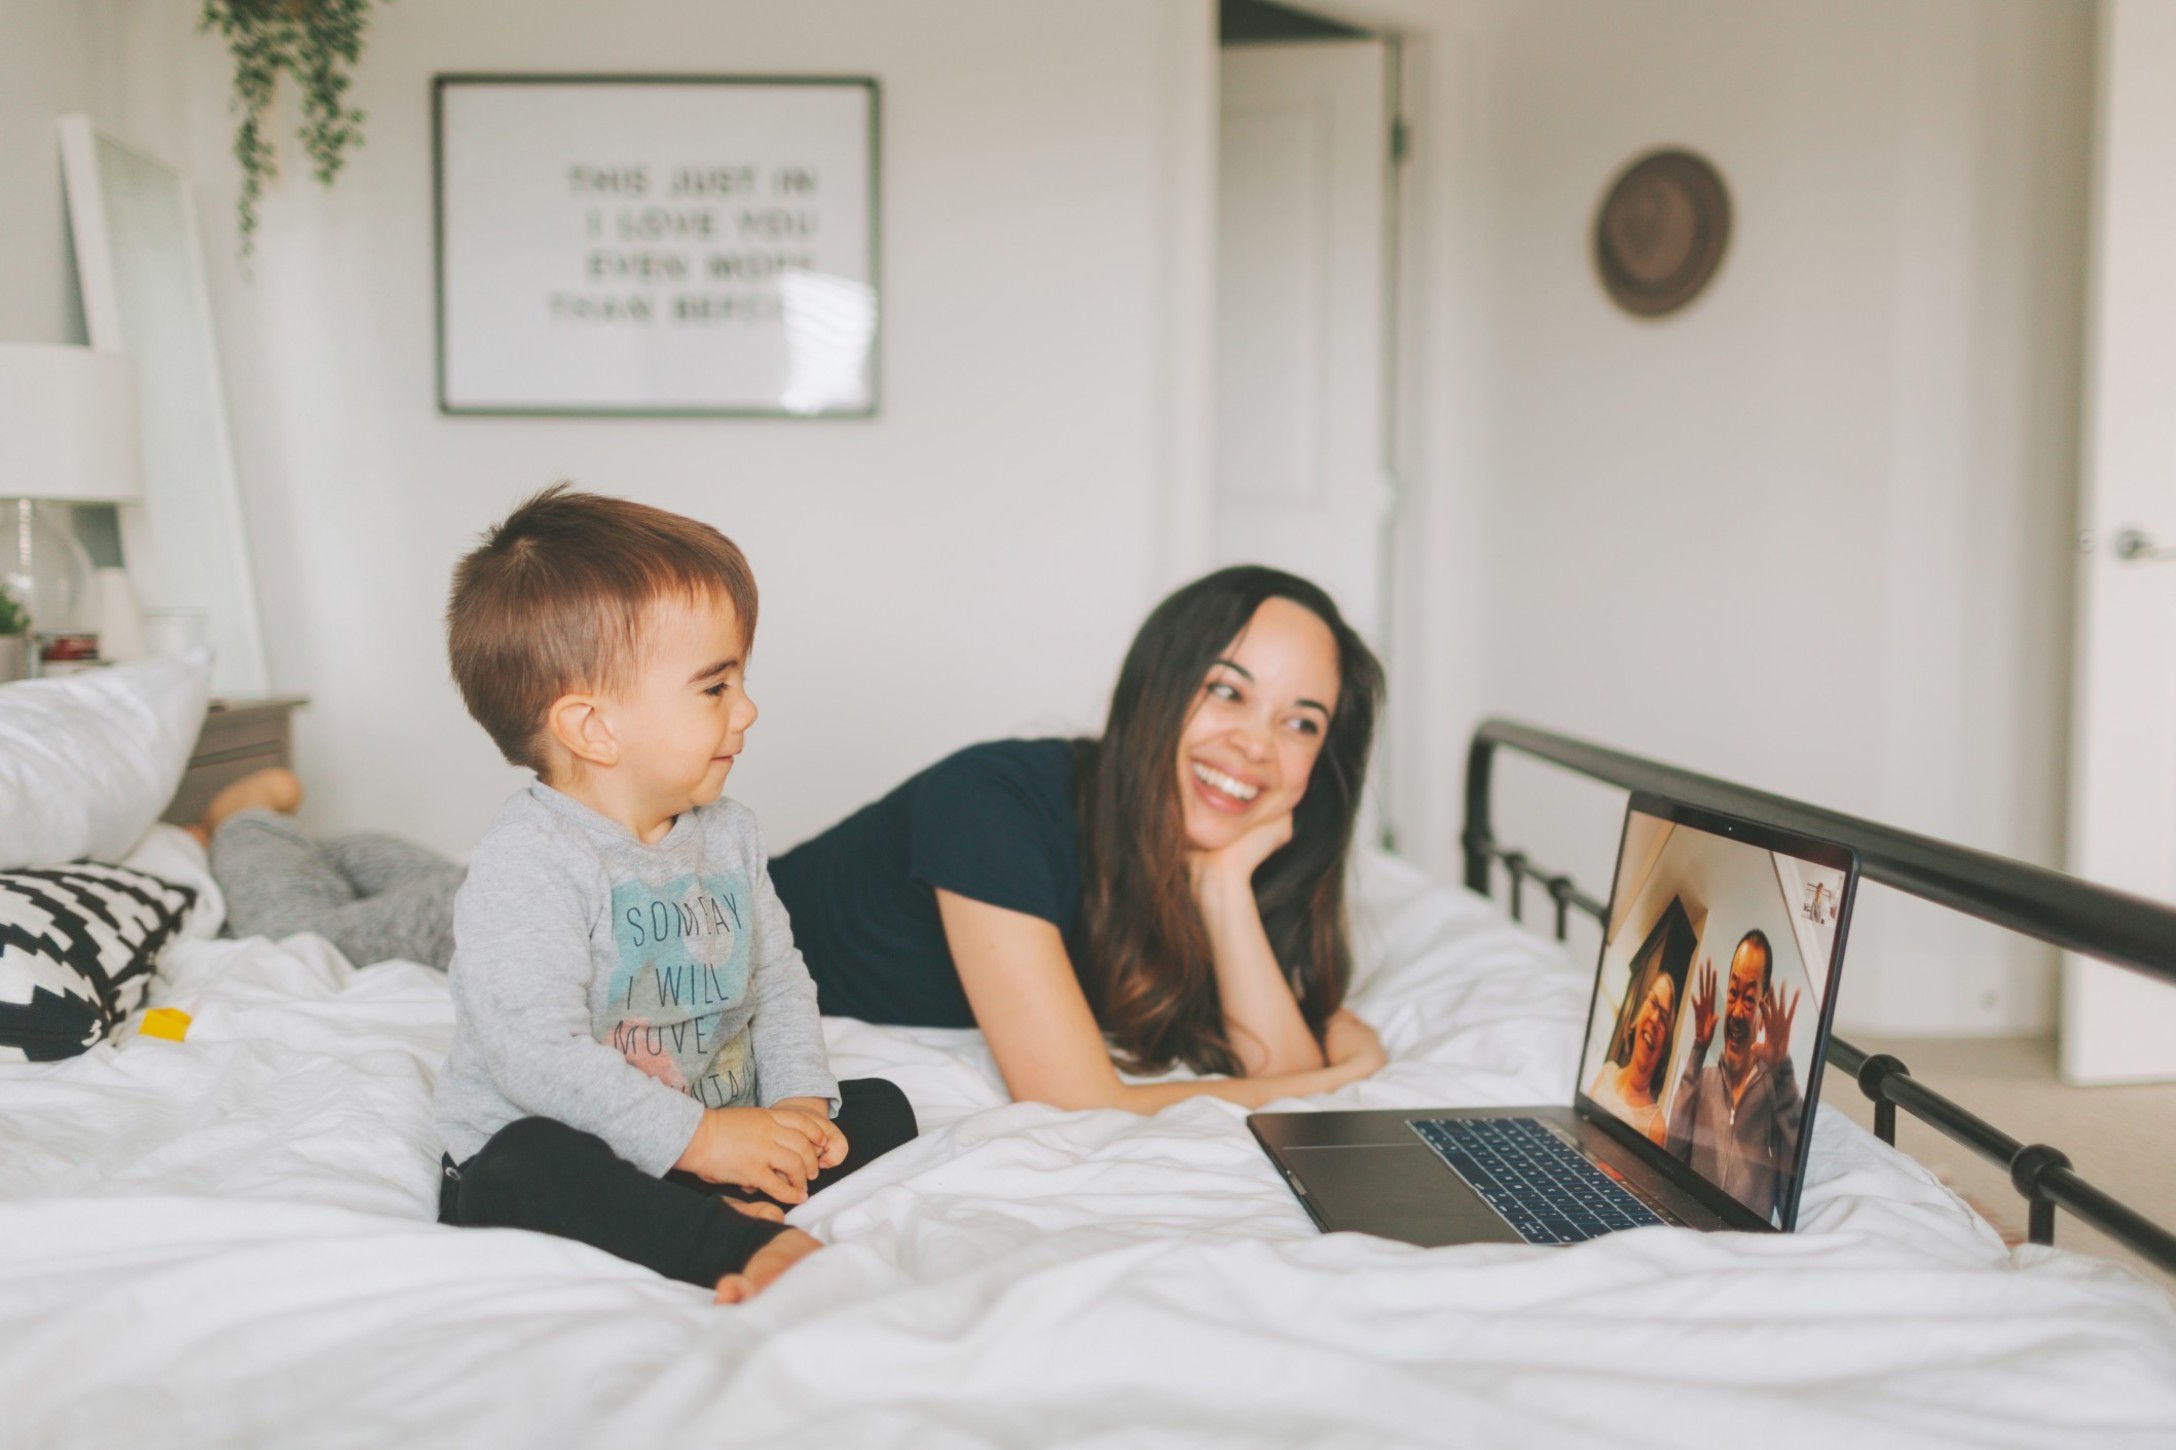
(317, 42)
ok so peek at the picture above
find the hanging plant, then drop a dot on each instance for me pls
(315, 41)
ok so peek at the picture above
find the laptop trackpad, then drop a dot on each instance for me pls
(1397, 1192)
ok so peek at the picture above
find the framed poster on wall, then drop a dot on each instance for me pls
(656, 245)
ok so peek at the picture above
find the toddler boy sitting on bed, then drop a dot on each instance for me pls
(637, 1060)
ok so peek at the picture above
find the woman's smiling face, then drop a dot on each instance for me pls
(1651, 1031)
(1258, 724)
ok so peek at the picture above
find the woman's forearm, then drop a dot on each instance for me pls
(1262, 1020)
(1048, 1047)
(1247, 1092)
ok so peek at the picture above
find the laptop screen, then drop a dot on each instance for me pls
(1717, 961)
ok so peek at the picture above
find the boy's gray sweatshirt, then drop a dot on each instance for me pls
(623, 988)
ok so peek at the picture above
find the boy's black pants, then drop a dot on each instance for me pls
(540, 1174)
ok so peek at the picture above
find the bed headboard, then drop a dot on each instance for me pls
(2031, 900)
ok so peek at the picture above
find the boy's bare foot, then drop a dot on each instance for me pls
(765, 1265)
(275, 788)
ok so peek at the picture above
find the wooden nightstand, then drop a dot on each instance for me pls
(239, 736)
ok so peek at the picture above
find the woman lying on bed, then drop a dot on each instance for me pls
(375, 897)
(1172, 892)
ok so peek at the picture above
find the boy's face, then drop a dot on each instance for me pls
(683, 717)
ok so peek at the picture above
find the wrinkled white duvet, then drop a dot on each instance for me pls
(228, 1241)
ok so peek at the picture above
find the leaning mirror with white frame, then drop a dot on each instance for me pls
(141, 267)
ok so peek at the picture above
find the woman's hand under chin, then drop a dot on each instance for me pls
(1236, 862)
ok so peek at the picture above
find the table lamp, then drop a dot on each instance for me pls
(67, 436)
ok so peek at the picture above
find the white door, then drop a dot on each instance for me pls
(2118, 1026)
(1304, 198)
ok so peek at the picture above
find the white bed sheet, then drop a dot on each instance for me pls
(228, 1241)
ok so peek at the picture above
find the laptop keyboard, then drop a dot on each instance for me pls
(1544, 1189)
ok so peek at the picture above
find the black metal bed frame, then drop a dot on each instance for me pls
(2047, 905)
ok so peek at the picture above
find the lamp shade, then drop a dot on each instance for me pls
(67, 424)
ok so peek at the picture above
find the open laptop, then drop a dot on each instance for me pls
(1714, 924)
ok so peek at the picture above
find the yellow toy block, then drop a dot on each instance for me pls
(170, 1023)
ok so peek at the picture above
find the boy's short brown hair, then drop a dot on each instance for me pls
(554, 600)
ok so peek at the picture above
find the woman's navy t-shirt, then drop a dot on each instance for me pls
(994, 823)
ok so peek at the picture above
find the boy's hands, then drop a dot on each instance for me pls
(834, 1141)
(772, 1150)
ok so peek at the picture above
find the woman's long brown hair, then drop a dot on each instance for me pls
(1143, 950)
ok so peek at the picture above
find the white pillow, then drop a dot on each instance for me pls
(173, 855)
(88, 761)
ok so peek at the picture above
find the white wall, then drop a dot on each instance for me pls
(1873, 410)
(53, 59)
(1812, 533)
(969, 564)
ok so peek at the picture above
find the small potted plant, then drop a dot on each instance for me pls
(14, 637)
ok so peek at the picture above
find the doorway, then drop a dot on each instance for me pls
(2120, 1026)
(1307, 222)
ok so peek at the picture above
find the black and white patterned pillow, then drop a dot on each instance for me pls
(77, 945)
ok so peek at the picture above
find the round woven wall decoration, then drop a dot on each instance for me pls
(1661, 232)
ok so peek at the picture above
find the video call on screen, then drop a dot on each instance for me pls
(1709, 1001)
